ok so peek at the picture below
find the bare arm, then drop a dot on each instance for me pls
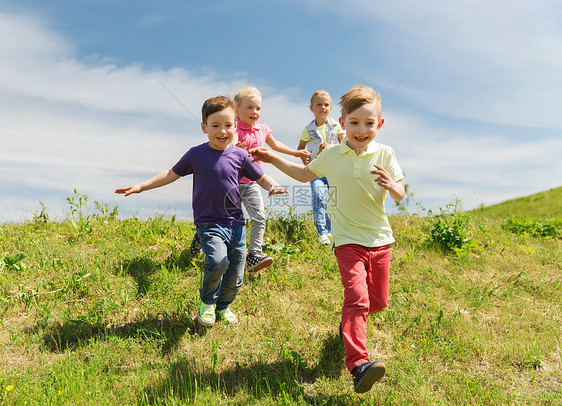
(295, 171)
(269, 184)
(302, 145)
(395, 189)
(280, 147)
(162, 179)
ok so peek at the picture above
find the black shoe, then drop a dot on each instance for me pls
(195, 247)
(255, 262)
(367, 374)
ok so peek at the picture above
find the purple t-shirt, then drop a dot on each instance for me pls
(216, 182)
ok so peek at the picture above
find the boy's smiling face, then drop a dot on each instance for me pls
(361, 126)
(220, 128)
(249, 110)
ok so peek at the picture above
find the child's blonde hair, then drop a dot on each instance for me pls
(358, 96)
(247, 91)
(319, 93)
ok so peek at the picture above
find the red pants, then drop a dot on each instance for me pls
(364, 275)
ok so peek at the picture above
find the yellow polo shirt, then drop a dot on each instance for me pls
(356, 203)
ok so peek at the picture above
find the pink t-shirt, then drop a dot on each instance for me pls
(254, 137)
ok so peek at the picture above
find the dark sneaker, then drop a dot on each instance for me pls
(367, 374)
(195, 247)
(255, 262)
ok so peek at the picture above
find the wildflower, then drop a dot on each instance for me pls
(9, 388)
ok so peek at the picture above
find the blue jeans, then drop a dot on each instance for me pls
(319, 187)
(225, 255)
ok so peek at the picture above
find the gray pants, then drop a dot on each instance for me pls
(254, 209)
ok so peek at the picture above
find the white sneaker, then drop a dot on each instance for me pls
(324, 239)
(227, 315)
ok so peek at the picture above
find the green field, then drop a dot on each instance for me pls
(547, 204)
(100, 311)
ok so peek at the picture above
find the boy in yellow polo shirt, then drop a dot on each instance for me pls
(361, 171)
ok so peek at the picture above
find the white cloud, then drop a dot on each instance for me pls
(35, 41)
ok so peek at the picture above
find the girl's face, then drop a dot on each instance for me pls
(361, 126)
(220, 128)
(249, 110)
(321, 107)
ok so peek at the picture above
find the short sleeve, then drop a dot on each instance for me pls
(251, 170)
(184, 166)
(267, 131)
(393, 167)
(305, 136)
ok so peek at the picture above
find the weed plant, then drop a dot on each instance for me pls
(450, 230)
(104, 314)
(535, 228)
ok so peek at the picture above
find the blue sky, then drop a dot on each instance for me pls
(472, 91)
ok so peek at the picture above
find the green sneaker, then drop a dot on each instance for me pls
(206, 314)
(227, 315)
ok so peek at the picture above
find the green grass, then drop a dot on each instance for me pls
(543, 205)
(96, 310)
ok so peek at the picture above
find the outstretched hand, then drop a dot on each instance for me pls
(277, 190)
(128, 190)
(304, 155)
(261, 154)
(305, 160)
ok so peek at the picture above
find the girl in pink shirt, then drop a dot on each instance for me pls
(252, 134)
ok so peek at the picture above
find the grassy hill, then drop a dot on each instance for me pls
(100, 311)
(543, 205)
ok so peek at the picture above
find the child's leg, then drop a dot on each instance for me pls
(213, 239)
(253, 203)
(319, 200)
(359, 291)
(234, 276)
(377, 278)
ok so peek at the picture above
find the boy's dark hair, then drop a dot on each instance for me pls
(215, 104)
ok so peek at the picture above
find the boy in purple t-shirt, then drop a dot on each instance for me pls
(217, 167)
